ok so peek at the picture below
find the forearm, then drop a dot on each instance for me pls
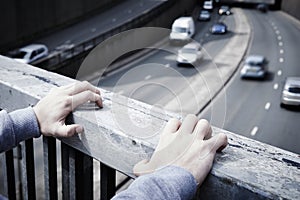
(17, 126)
(168, 183)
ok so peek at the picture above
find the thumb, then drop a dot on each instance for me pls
(140, 168)
(68, 130)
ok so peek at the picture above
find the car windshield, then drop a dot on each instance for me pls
(204, 12)
(19, 54)
(188, 50)
(180, 30)
(294, 90)
(255, 64)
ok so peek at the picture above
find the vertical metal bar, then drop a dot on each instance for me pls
(84, 176)
(107, 182)
(8, 174)
(28, 172)
(50, 168)
(68, 172)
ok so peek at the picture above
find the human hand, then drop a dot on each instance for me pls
(189, 145)
(52, 110)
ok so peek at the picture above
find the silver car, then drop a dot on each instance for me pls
(255, 67)
(291, 92)
(189, 54)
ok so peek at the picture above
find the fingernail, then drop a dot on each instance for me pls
(79, 129)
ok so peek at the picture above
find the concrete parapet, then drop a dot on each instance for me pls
(126, 131)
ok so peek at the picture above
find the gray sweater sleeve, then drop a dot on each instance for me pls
(17, 126)
(171, 182)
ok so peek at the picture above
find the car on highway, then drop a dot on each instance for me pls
(291, 92)
(30, 53)
(224, 10)
(208, 5)
(218, 28)
(204, 15)
(189, 54)
(183, 29)
(255, 66)
(262, 7)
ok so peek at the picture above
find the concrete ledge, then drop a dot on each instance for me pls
(126, 131)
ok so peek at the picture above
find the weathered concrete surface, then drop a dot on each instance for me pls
(125, 131)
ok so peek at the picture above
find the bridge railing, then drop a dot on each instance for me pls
(121, 134)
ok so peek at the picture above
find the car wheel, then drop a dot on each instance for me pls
(282, 105)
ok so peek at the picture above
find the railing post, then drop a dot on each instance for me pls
(108, 182)
(84, 176)
(50, 168)
(8, 174)
(28, 171)
(68, 172)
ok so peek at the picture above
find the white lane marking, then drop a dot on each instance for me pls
(254, 131)
(279, 72)
(281, 51)
(167, 65)
(275, 86)
(114, 20)
(267, 106)
(280, 44)
(277, 32)
(279, 37)
(281, 60)
(275, 27)
(147, 77)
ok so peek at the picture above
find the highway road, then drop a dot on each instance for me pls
(151, 79)
(97, 24)
(253, 107)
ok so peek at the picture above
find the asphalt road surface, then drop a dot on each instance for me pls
(253, 107)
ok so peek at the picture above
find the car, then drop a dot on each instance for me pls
(224, 10)
(291, 92)
(204, 15)
(262, 7)
(255, 66)
(208, 5)
(218, 28)
(30, 53)
(189, 54)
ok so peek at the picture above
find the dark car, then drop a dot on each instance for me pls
(204, 15)
(218, 28)
(262, 7)
(224, 10)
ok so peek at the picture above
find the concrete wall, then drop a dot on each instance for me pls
(291, 7)
(21, 21)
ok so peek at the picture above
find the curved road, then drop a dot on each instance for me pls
(253, 107)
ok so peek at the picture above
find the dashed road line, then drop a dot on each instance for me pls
(280, 44)
(277, 32)
(167, 65)
(148, 77)
(279, 38)
(254, 131)
(281, 51)
(267, 106)
(275, 86)
(279, 72)
(281, 60)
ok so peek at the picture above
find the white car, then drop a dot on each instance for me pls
(208, 5)
(30, 53)
(189, 54)
(183, 29)
(291, 92)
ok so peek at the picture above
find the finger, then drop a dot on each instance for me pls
(84, 97)
(188, 124)
(171, 126)
(218, 142)
(81, 87)
(68, 130)
(140, 167)
(203, 129)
